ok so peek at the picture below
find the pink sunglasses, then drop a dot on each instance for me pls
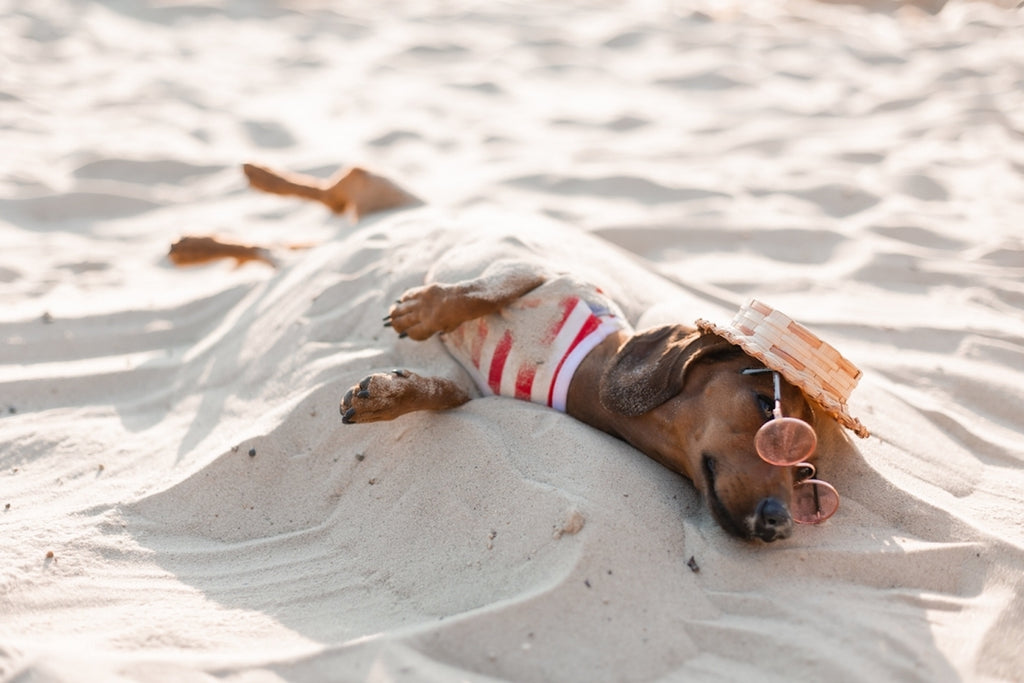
(787, 441)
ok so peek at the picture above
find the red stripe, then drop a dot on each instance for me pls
(591, 325)
(477, 342)
(524, 382)
(460, 335)
(568, 304)
(498, 362)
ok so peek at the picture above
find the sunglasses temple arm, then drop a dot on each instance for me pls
(778, 396)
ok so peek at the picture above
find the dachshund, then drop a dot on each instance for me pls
(684, 396)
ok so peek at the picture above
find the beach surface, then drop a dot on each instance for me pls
(179, 499)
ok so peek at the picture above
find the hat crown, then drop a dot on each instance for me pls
(801, 356)
(796, 346)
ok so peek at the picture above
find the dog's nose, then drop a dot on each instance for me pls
(772, 520)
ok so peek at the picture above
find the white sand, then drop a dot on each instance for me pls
(863, 172)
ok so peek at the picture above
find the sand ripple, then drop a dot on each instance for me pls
(179, 499)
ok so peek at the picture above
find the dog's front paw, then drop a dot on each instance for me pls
(377, 397)
(424, 311)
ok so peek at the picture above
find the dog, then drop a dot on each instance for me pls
(696, 399)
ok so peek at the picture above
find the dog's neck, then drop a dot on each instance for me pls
(583, 404)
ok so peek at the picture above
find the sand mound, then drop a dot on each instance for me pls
(179, 498)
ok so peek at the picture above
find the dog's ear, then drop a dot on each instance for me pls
(651, 367)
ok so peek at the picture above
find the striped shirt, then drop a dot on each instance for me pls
(531, 349)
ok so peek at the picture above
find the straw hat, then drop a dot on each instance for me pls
(803, 359)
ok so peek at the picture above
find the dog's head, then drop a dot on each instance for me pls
(700, 414)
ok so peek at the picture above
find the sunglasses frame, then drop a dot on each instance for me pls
(792, 433)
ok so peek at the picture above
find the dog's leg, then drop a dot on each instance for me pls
(424, 311)
(353, 191)
(385, 396)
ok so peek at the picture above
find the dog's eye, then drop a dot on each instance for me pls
(708, 464)
(767, 406)
(804, 471)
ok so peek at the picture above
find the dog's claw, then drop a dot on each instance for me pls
(347, 399)
(403, 335)
(400, 372)
(347, 416)
(363, 394)
(364, 383)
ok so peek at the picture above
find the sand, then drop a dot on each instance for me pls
(179, 499)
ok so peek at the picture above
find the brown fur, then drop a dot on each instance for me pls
(193, 250)
(677, 395)
(352, 191)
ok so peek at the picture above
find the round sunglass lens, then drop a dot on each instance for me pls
(814, 501)
(785, 441)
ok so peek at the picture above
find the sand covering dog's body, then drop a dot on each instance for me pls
(692, 399)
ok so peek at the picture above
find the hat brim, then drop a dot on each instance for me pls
(808, 381)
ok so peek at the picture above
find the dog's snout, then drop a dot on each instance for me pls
(772, 520)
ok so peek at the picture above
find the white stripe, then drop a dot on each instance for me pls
(574, 322)
(478, 378)
(486, 355)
